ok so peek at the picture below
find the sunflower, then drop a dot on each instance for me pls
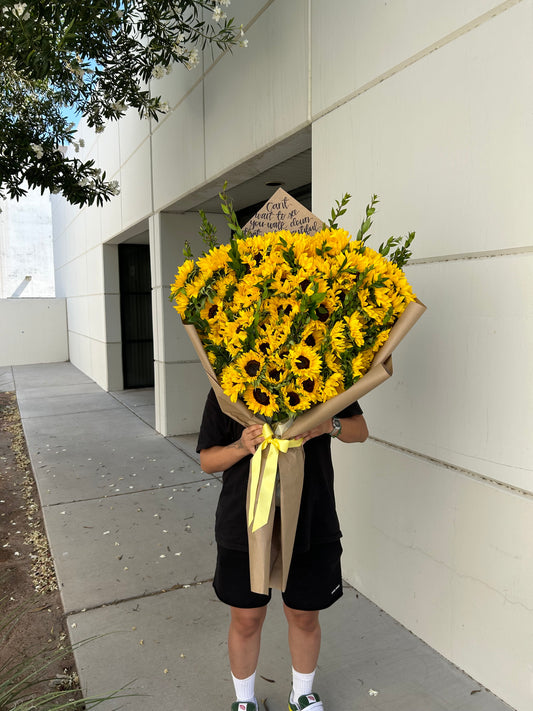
(260, 400)
(181, 302)
(181, 277)
(313, 333)
(275, 371)
(356, 328)
(232, 383)
(311, 386)
(211, 311)
(304, 360)
(380, 340)
(337, 338)
(295, 400)
(250, 364)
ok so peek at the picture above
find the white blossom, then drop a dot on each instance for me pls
(158, 71)
(114, 188)
(225, 2)
(193, 58)
(37, 149)
(243, 43)
(20, 9)
(164, 107)
(218, 15)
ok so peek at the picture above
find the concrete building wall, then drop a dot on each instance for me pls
(26, 253)
(427, 104)
(33, 331)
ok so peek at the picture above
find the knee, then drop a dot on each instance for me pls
(247, 622)
(303, 620)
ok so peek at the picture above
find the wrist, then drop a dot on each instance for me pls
(336, 427)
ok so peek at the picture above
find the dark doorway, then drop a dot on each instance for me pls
(136, 315)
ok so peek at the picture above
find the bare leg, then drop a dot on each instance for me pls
(304, 638)
(244, 639)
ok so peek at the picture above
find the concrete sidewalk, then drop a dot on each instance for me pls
(129, 516)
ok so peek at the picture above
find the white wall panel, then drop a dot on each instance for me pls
(133, 132)
(173, 87)
(178, 150)
(111, 217)
(95, 270)
(256, 96)
(60, 249)
(136, 191)
(243, 12)
(183, 388)
(462, 390)
(76, 241)
(34, 330)
(80, 352)
(93, 217)
(371, 38)
(448, 556)
(447, 156)
(109, 150)
(78, 315)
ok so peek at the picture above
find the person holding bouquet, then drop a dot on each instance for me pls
(314, 581)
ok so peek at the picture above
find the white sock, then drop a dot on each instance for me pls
(244, 688)
(301, 684)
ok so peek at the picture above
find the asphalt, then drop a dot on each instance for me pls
(129, 516)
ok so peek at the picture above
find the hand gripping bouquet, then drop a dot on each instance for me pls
(292, 320)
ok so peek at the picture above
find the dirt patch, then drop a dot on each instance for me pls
(27, 575)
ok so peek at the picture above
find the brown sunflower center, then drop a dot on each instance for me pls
(293, 398)
(302, 362)
(274, 374)
(261, 397)
(212, 311)
(308, 385)
(310, 340)
(263, 347)
(252, 368)
(322, 313)
(304, 284)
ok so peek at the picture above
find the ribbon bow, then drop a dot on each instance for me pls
(268, 483)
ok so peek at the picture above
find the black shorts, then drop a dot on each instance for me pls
(314, 581)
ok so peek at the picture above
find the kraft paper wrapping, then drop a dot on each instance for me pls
(270, 547)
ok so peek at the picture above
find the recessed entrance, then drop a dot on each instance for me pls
(136, 315)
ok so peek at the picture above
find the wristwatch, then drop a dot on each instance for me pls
(335, 432)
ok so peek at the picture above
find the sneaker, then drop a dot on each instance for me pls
(244, 706)
(307, 701)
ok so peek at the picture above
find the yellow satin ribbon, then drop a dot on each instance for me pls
(268, 483)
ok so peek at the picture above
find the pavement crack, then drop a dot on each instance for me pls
(155, 593)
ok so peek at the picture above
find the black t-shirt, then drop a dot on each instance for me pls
(317, 521)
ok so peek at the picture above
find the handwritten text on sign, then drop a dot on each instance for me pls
(283, 212)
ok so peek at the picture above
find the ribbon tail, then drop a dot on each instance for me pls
(255, 470)
(266, 492)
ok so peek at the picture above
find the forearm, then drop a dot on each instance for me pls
(353, 429)
(218, 459)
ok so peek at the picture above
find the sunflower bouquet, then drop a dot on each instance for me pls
(289, 320)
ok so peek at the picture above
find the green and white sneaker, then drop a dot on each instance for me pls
(307, 701)
(244, 706)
